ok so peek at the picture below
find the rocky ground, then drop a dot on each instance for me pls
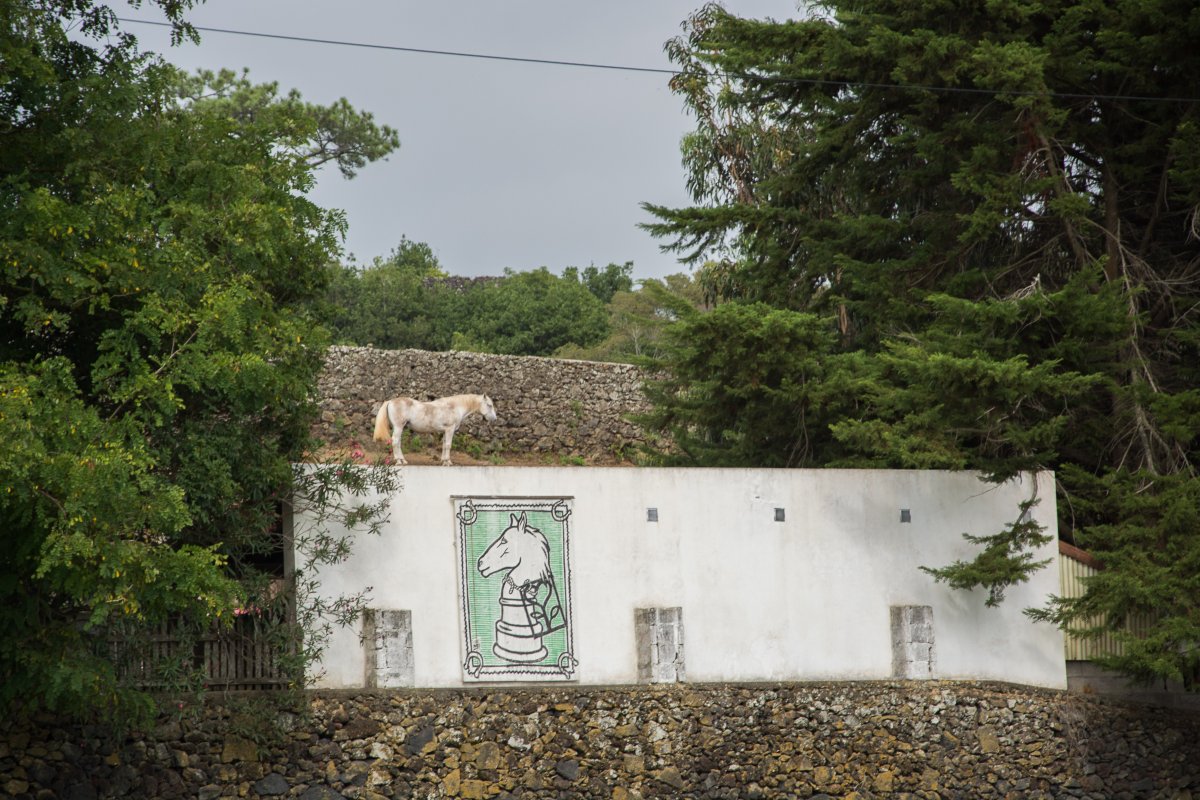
(428, 452)
(843, 740)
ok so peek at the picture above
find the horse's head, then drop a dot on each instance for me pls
(522, 549)
(488, 409)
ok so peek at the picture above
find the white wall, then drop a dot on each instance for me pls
(803, 599)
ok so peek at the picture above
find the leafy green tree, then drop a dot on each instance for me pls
(638, 321)
(397, 302)
(531, 313)
(993, 212)
(406, 300)
(604, 283)
(157, 362)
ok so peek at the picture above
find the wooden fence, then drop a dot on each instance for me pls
(246, 656)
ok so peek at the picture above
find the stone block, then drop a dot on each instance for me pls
(913, 652)
(272, 785)
(238, 749)
(387, 639)
(659, 634)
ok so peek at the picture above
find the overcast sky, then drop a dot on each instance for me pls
(500, 164)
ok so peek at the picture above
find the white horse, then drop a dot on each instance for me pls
(443, 415)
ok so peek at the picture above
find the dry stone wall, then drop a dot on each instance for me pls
(851, 741)
(544, 405)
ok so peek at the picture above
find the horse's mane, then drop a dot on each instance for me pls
(544, 545)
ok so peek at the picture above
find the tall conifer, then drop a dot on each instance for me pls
(994, 210)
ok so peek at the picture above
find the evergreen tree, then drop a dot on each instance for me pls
(992, 209)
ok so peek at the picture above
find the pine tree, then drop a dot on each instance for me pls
(993, 208)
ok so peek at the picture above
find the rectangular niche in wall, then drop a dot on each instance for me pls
(514, 572)
(659, 634)
(912, 642)
(387, 639)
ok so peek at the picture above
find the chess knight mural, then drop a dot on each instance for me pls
(515, 589)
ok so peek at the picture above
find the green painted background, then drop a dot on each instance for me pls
(483, 594)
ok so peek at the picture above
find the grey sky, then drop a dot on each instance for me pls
(500, 164)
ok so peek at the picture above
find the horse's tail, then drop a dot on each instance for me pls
(382, 434)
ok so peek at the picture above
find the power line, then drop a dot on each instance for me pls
(421, 50)
(661, 71)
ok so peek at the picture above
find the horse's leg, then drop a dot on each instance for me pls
(397, 435)
(446, 438)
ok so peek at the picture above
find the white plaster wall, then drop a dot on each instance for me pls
(803, 599)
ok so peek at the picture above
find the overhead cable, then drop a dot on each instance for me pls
(662, 71)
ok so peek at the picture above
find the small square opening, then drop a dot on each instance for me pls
(779, 515)
(905, 515)
(651, 515)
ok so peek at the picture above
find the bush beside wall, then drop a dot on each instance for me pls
(836, 740)
(544, 405)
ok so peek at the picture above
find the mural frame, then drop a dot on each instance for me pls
(515, 629)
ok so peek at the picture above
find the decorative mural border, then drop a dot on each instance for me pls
(514, 570)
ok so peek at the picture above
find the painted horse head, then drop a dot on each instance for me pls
(522, 550)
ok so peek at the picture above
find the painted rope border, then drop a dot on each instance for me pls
(564, 666)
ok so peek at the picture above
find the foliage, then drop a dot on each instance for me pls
(156, 358)
(604, 283)
(535, 313)
(992, 213)
(747, 382)
(394, 303)
(638, 319)
(313, 134)
(984, 386)
(333, 503)
(1006, 558)
(1152, 570)
(407, 301)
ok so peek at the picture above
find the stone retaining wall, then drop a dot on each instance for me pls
(544, 405)
(838, 740)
